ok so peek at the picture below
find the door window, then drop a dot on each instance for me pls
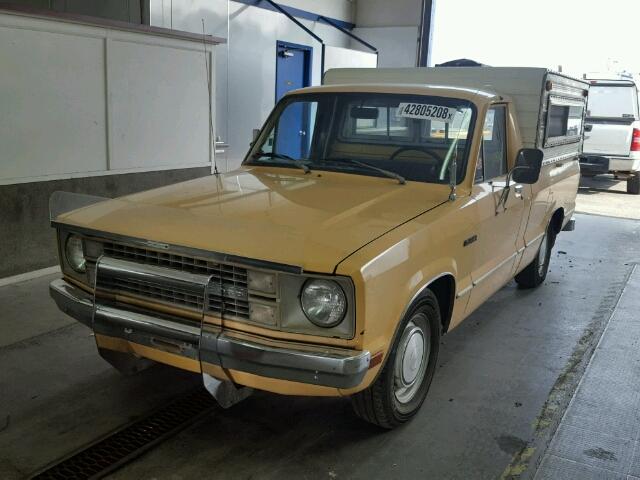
(492, 161)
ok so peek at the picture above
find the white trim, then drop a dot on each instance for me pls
(487, 274)
(465, 290)
(534, 239)
(101, 173)
(23, 277)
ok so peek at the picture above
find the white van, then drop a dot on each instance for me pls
(612, 132)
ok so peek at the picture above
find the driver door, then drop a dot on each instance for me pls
(499, 211)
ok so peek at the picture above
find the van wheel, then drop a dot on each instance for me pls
(535, 273)
(402, 385)
(633, 184)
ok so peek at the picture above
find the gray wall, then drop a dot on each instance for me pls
(246, 65)
(28, 242)
(122, 10)
(244, 86)
(393, 27)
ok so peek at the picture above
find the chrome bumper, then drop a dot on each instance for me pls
(328, 368)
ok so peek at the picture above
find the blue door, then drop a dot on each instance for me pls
(293, 70)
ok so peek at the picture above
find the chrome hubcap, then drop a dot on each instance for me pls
(411, 362)
(542, 256)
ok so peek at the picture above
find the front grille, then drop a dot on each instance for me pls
(227, 294)
(154, 291)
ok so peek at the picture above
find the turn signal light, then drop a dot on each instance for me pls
(635, 140)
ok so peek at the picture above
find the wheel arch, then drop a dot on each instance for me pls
(557, 220)
(443, 287)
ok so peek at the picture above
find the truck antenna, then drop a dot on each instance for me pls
(208, 73)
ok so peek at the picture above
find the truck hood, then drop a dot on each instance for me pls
(312, 221)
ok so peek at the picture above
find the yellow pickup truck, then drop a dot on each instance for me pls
(371, 215)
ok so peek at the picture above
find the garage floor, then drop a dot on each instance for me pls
(598, 436)
(604, 195)
(504, 380)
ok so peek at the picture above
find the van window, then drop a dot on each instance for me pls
(612, 101)
(492, 161)
(564, 121)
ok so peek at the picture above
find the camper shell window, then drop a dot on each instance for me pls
(564, 121)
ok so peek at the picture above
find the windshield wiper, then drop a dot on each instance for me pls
(386, 173)
(281, 156)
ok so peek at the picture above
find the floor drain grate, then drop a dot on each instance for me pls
(119, 447)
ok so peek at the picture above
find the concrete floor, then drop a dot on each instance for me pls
(604, 195)
(598, 435)
(504, 378)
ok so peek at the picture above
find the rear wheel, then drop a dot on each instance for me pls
(403, 383)
(633, 184)
(535, 273)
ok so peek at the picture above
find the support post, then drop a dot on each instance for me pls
(426, 30)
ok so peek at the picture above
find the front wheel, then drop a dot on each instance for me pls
(402, 385)
(535, 273)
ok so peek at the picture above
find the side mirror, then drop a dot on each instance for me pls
(528, 166)
(255, 134)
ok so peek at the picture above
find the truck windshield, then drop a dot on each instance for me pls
(613, 101)
(414, 137)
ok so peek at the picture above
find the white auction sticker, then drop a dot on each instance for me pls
(425, 111)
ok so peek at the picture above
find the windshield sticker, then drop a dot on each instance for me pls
(426, 112)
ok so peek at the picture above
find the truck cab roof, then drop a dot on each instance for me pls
(477, 95)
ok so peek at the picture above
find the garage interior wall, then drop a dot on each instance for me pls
(132, 11)
(393, 27)
(71, 141)
(246, 65)
(92, 109)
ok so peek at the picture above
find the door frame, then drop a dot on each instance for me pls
(308, 63)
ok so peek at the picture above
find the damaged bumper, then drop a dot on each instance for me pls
(209, 344)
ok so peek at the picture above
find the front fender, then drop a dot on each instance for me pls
(388, 285)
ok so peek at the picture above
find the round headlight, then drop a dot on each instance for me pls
(75, 253)
(323, 302)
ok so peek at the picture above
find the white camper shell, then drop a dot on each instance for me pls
(550, 106)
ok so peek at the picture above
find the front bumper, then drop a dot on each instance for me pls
(329, 367)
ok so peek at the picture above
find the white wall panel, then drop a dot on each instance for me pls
(52, 103)
(79, 100)
(337, 57)
(158, 105)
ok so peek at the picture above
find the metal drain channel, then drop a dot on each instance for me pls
(129, 442)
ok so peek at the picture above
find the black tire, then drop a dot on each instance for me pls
(535, 273)
(387, 402)
(633, 184)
